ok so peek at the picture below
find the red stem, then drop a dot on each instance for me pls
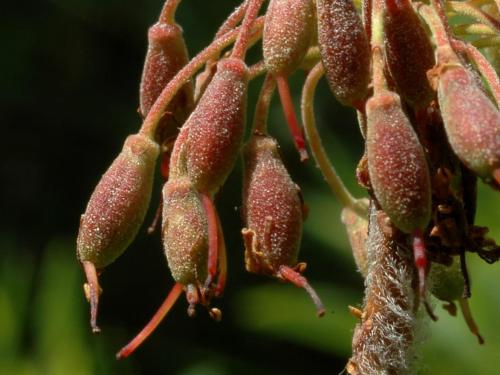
(241, 44)
(213, 235)
(297, 279)
(153, 323)
(167, 14)
(291, 118)
(93, 283)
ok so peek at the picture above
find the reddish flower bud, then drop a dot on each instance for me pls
(288, 31)
(398, 169)
(409, 52)
(345, 50)
(210, 139)
(272, 210)
(167, 54)
(471, 121)
(118, 204)
(115, 212)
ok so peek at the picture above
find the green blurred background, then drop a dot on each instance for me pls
(69, 93)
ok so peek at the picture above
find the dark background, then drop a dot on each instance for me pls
(69, 79)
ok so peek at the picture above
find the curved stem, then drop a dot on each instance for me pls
(484, 67)
(167, 14)
(473, 29)
(263, 103)
(377, 43)
(336, 185)
(291, 118)
(300, 281)
(153, 323)
(92, 293)
(465, 9)
(222, 277)
(213, 234)
(256, 70)
(230, 23)
(241, 44)
(156, 112)
(435, 23)
(464, 306)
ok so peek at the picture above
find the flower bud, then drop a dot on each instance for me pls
(397, 166)
(409, 52)
(345, 50)
(272, 208)
(357, 232)
(447, 282)
(288, 30)
(212, 137)
(115, 212)
(273, 213)
(185, 232)
(471, 121)
(167, 54)
(118, 204)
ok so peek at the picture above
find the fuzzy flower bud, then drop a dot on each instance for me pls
(398, 169)
(167, 54)
(288, 31)
(118, 204)
(471, 120)
(345, 50)
(185, 232)
(210, 140)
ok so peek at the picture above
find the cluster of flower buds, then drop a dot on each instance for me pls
(427, 103)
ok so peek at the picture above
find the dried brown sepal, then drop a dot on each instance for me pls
(345, 50)
(166, 55)
(118, 204)
(399, 174)
(383, 342)
(210, 140)
(357, 233)
(471, 120)
(288, 30)
(409, 53)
